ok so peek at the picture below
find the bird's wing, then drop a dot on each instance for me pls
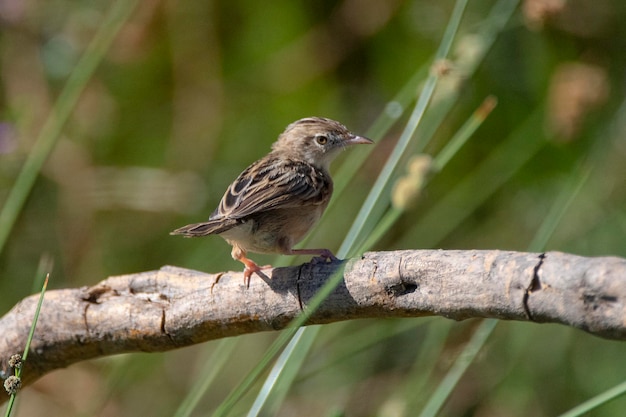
(274, 183)
(205, 228)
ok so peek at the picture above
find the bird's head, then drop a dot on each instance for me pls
(316, 140)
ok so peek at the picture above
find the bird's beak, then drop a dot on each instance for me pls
(355, 140)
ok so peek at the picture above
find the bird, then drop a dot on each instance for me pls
(278, 199)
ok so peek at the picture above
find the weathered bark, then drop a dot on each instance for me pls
(174, 307)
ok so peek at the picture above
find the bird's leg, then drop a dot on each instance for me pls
(251, 268)
(324, 254)
(239, 254)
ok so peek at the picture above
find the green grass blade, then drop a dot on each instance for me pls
(363, 340)
(65, 104)
(416, 388)
(284, 372)
(464, 133)
(212, 367)
(598, 400)
(281, 341)
(31, 333)
(463, 361)
(558, 209)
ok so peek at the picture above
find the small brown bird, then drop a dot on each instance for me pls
(273, 204)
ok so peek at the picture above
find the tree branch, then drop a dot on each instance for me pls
(174, 307)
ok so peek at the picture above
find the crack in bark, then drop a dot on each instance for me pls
(535, 285)
(163, 328)
(216, 281)
(298, 287)
(85, 317)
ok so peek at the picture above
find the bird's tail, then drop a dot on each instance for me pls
(203, 229)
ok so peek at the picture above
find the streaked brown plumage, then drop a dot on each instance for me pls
(273, 204)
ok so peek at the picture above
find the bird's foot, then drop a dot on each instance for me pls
(253, 268)
(239, 254)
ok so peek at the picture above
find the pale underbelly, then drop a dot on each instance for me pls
(273, 231)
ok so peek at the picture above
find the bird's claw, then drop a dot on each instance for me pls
(324, 257)
(253, 268)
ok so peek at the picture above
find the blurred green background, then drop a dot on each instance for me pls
(190, 93)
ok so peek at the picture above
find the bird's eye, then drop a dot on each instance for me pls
(321, 139)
